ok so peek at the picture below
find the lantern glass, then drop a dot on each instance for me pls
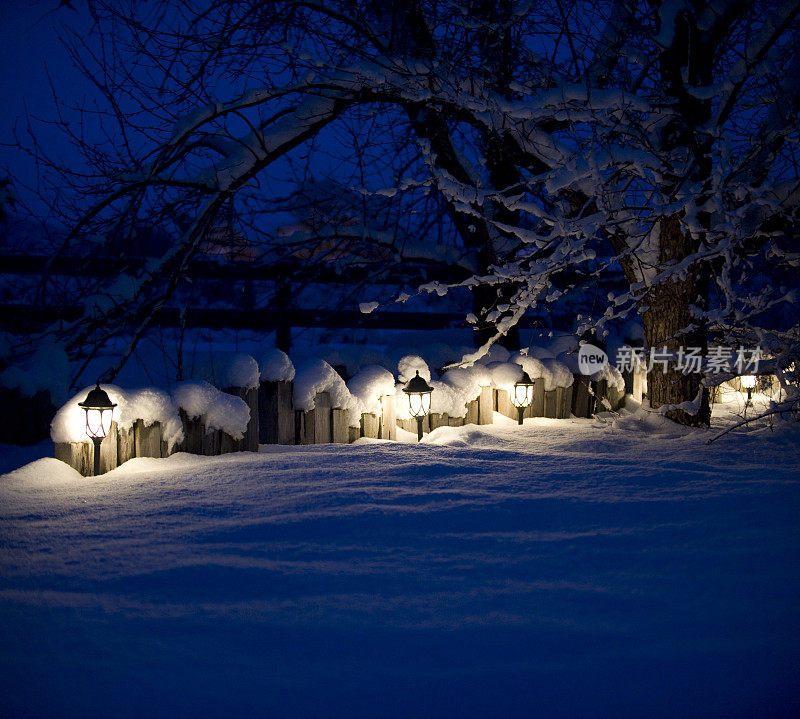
(98, 421)
(522, 395)
(419, 403)
(748, 381)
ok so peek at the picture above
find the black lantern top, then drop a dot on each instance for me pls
(97, 399)
(417, 385)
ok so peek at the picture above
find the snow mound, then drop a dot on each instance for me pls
(504, 374)
(408, 367)
(612, 375)
(369, 385)
(468, 380)
(276, 367)
(215, 408)
(230, 369)
(317, 376)
(495, 354)
(148, 404)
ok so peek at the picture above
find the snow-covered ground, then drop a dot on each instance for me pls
(617, 567)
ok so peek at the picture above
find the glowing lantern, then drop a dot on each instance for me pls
(419, 400)
(748, 382)
(99, 413)
(523, 394)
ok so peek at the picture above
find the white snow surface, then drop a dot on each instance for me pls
(148, 404)
(316, 376)
(615, 567)
(368, 385)
(217, 409)
(276, 366)
(409, 365)
(238, 370)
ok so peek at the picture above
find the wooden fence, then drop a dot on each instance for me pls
(274, 420)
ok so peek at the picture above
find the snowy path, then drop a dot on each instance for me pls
(565, 569)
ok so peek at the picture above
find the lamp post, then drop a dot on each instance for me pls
(748, 382)
(99, 411)
(523, 394)
(419, 400)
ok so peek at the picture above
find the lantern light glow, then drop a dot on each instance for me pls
(99, 413)
(522, 395)
(419, 400)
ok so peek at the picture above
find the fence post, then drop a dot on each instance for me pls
(249, 442)
(581, 404)
(146, 439)
(388, 425)
(126, 447)
(551, 403)
(369, 425)
(276, 420)
(340, 431)
(76, 455)
(472, 412)
(485, 406)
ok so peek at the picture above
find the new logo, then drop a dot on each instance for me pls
(591, 359)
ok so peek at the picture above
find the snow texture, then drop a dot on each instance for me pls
(409, 365)
(148, 404)
(316, 376)
(276, 367)
(368, 385)
(229, 370)
(215, 408)
(607, 567)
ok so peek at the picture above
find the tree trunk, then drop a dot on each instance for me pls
(668, 322)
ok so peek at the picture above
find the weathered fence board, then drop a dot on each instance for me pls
(439, 420)
(388, 420)
(340, 418)
(76, 455)
(353, 433)
(147, 439)
(566, 403)
(582, 401)
(276, 420)
(193, 431)
(126, 448)
(503, 405)
(472, 412)
(551, 403)
(316, 426)
(486, 406)
(369, 425)
(249, 442)
(457, 421)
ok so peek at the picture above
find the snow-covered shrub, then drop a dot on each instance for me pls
(317, 376)
(368, 385)
(148, 404)
(468, 380)
(276, 367)
(215, 408)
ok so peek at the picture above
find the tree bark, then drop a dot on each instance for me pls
(668, 322)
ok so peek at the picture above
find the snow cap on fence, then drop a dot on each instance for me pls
(148, 404)
(555, 373)
(215, 408)
(238, 370)
(276, 367)
(504, 374)
(467, 381)
(496, 353)
(368, 385)
(317, 376)
(408, 367)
